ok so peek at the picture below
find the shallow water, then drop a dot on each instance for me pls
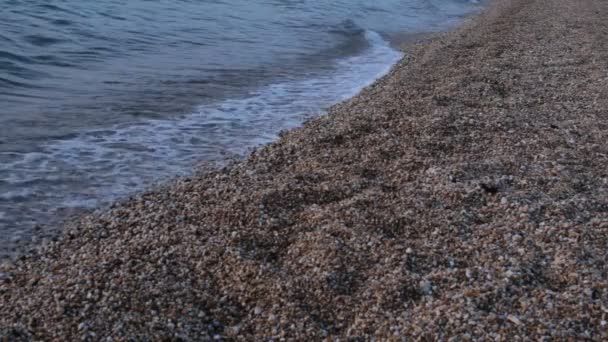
(102, 98)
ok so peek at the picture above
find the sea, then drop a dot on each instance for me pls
(100, 99)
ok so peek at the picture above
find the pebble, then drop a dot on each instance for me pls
(514, 320)
(426, 287)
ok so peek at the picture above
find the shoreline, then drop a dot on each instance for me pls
(462, 194)
(52, 229)
(353, 71)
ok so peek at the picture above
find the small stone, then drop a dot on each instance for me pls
(431, 171)
(514, 320)
(257, 310)
(426, 287)
(235, 329)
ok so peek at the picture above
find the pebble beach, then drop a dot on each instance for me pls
(463, 196)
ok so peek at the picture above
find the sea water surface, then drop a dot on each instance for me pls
(101, 98)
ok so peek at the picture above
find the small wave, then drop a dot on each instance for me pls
(6, 38)
(50, 8)
(52, 60)
(348, 28)
(62, 22)
(42, 41)
(6, 55)
(112, 16)
(20, 195)
(14, 84)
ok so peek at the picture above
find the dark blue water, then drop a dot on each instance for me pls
(100, 98)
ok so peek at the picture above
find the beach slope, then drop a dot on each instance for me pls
(464, 194)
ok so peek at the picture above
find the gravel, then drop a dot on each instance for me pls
(462, 196)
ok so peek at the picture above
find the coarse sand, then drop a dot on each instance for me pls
(462, 196)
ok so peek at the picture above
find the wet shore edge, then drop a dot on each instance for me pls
(463, 194)
(50, 229)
